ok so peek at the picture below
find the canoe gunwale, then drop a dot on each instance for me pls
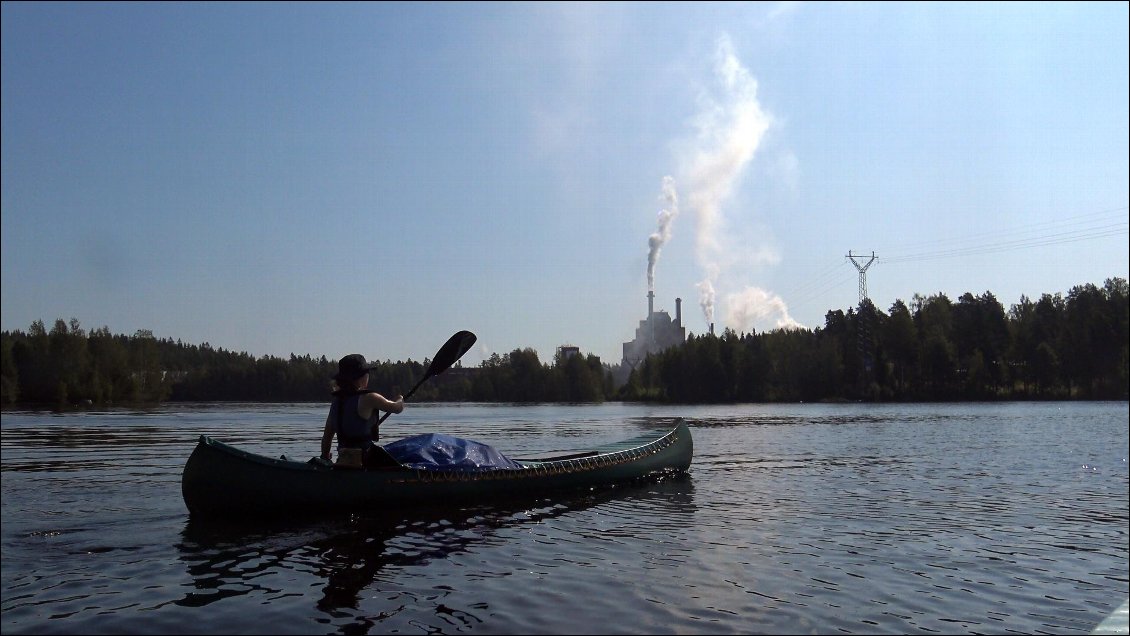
(571, 463)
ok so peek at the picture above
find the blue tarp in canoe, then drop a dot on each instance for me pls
(435, 451)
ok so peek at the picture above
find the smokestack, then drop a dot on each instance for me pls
(679, 311)
(650, 303)
(712, 329)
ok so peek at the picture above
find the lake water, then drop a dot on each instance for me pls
(855, 519)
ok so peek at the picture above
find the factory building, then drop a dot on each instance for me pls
(654, 334)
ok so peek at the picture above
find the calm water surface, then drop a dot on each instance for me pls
(855, 519)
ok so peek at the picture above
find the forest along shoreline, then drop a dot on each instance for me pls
(1072, 347)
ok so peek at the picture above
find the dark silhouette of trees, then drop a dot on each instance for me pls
(68, 366)
(1072, 347)
(1058, 347)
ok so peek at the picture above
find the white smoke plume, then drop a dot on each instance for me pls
(731, 126)
(706, 299)
(753, 306)
(659, 238)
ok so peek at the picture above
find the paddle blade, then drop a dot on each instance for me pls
(451, 351)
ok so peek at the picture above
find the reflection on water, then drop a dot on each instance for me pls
(350, 554)
(994, 518)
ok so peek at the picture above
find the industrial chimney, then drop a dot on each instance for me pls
(650, 303)
(679, 312)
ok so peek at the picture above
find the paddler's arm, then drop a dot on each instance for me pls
(327, 439)
(375, 401)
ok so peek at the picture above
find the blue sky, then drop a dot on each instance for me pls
(327, 178)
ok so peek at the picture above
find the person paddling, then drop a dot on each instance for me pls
(354, 415)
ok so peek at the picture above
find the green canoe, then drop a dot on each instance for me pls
(220, 480)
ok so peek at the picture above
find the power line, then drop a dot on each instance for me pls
(830, 277)
(1084, 227)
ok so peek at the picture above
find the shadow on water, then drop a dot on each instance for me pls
(349, 553)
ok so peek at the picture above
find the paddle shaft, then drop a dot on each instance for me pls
(406, 396)
(447, 355)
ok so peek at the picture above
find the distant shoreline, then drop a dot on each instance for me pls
(41, 408)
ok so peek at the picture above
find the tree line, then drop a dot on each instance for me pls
(68, 366)
(1057, 347)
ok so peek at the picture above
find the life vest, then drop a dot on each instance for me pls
(352, 430)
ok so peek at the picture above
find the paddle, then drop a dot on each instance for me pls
(451, 351)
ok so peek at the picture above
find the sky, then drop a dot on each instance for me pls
(329, 178)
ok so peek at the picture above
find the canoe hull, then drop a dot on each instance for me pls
(220, 480)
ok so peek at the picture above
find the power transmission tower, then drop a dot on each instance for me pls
(862, 272)
(864, 333)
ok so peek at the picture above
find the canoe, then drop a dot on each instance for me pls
(221, 480)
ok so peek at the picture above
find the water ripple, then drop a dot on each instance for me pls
(794, 519)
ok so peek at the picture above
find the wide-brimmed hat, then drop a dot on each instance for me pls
(352, 367)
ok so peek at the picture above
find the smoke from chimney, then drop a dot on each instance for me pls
(731, 125)
(753, 304)
(659, 238)
(706, 300)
